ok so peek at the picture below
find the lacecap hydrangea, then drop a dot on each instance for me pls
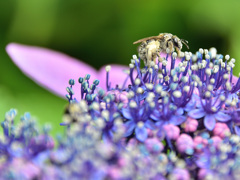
(177, 119)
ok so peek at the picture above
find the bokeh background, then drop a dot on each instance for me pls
(101, 32)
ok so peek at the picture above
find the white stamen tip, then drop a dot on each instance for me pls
(213, 52)
(108, 68)
(187, 57)
(207, 56)
(201, 50)
(133, 104)
(131, 65)
(134, 56)
(227, 57)
(137, 81)
(140, 124)
(177, 94)
(174, 54)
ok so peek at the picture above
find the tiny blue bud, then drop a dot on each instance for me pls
(173, 72)
(85, 85)
(189, 151)
(234, 149)
(67, 96)
(88, 90)
(72, 101)
(71, 82)
(47, 128)
(216, 62)
(199, 55)
(111, 97)
(13, 130)
(205, 135)
(101, 92)
(156, 147)
(93, 96)
(70, 90)
(93, 86)
(177, 69)
(13, 112)
(59, 136)
(87, 77)
(80, 80)
(210, 141)
(220, 56)
(88, 97)
(27, 115)
(173, 86)
(96, 82)
(3, 124)
(199, 146)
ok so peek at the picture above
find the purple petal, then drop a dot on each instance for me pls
(107, 136)
(196, 113)
(237, 130)
(190, 106)
(179, 111)
(160, 133)
(48, 68)
(154, 117)
(220, 116)
(141, 133)
(149, 124)
(209, 121)
(130, 125)
(160, 123)
(126, 113)
(177, 120)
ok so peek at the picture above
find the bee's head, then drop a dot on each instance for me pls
(179, 42)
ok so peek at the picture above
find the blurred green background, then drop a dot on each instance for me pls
(101, 32)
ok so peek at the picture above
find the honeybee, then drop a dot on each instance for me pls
(151, 47)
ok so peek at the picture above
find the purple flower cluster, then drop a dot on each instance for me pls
(177, 119)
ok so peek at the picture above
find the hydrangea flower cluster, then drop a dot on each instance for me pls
(177, 119)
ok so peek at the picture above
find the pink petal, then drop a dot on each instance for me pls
(49, 68)
(234, 79)
(216, 141)
(190, 124)
(199, 140)
(184, 142)
(220, 130)
(154, 145)
(171, 131)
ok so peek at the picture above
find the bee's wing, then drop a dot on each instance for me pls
(145, 39)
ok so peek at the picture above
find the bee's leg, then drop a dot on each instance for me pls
(170, 47)
(178, 52)
(159, 57)
(149, 56)
(145, 61)
(155, 58)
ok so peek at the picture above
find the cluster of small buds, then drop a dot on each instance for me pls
(87, 90)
